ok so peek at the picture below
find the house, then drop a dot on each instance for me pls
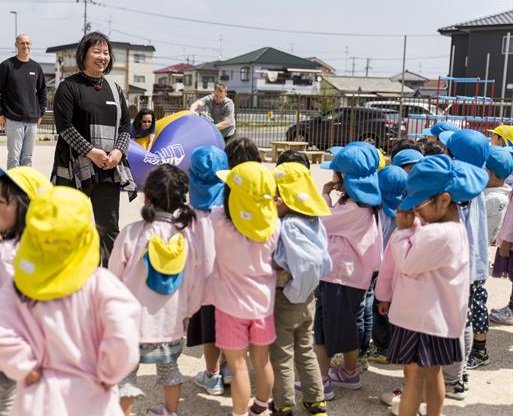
(323, 66)
(132, 69)
(170, 80)
(471, 43)
(411, 79)
(270, 71)
(201, 78)
(349, 89)
(432, 88)
(49, 73)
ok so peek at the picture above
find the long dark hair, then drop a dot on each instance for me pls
(166, 190)
(11, 192)
(144, 112)
(89, 40)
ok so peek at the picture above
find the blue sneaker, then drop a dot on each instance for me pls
(212, 384)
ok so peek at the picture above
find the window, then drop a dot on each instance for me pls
(244, 73)
(139, 57)
(504, 41)
(206, 80)
(224, 76)
(187, 80)
(139, 79)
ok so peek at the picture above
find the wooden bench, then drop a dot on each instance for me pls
(265, 153)
(315, 156)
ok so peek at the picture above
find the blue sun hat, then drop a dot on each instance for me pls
(438, 173)
(392, 183)
(407, 157)
(165, 262)
(358, 163)
(205, 188)
(500, 162)
(469, 146)
(441, 126)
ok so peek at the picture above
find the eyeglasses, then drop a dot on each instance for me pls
(146, 122)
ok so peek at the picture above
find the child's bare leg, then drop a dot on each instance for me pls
(413, 390)
(127, 404)
(263, 371)
(172, 397)
(323, 359)
(351, 360)
(241, 388)
(212, 354)
(435, 390)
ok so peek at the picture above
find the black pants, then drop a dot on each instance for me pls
(105, 200)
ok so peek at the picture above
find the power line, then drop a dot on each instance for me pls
(260, 28)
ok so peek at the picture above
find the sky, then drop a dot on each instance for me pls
(204, 30)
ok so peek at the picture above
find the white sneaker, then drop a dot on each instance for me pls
(394, 409)
(502, 316)
(160, 410)
(391, 397)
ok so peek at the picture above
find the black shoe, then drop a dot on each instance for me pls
(477, 358)
(284, 411)
(315, 408)
(455, 390)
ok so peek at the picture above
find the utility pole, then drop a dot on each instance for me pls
(367, 66)
(87, 26)
(346, 52)
(352, 68)
(220, 46)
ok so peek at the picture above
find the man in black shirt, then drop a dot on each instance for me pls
(22, 102)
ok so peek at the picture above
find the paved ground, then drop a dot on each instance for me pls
(491, 387)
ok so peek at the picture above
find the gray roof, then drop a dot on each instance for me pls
(206, 66)
(499, 19)
(408, 76)
(270, 56)
(366, 85)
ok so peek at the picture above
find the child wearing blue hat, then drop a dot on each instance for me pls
(472, 146)
(392, 183)
(406, 158)
(503, 263)
(426, 338)
(206, 192)
(499, 166)
(156, 258)
(355, 245)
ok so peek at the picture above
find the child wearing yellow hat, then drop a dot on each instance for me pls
(243, 284)
(70, 333)
(156, 259)
(301, 259)
(17, 187)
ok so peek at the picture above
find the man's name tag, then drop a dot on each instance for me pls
(32, 73)
(110, 102)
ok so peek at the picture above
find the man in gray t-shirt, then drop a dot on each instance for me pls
(220, 108)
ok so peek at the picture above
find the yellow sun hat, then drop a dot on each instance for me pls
(60, 247)
(28, 179)
(168, 258)
(382, 160)
(298, 190)
(251, 202)
(505, 132)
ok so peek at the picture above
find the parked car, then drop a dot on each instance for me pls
(345, 124)
(414, 125)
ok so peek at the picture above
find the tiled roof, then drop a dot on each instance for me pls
(173, 69)
(408, 76)
(270, 56)
(365, 84)
(499, 19)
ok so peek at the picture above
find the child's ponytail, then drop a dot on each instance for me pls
(185, 217)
